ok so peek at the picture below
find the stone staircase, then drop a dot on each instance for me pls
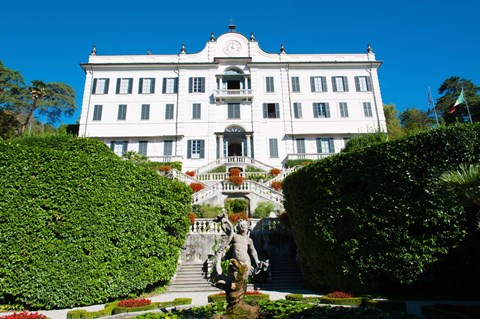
(285, 275)
(190, 278)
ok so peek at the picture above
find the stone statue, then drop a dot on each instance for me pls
(243, 253)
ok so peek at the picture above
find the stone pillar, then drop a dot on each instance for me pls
(220, 146)
(248, 137)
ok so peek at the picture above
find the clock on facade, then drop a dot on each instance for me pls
(232, 47)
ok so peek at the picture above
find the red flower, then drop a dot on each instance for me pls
(339, 294)
(236, 180)
(190, 173)
(235, 172)
(25, 315)
(192, 217)
(196, 187)
(235, 217)
(133, 303)
(276, 185)
(165, 168)
(274, 171)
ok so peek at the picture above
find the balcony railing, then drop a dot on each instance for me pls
(166, 158)
(311, 156)
(243, 94)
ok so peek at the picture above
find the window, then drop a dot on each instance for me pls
(170, 85)
(100, 86)
(196, 85)
(363, 84)
(343, 109)
(119, 147)
(321, 110)
(233, 110)
(142, 147)
(196, 149)
(340, 84)
(367, 109)
(325, 145)
(145, 112)
(300, 145)
(269, 84)
(167, 147)
(273, 146)
(97, 112)
(297, 110)
(271, 111)
(318, 83)
(122, 112)
(196, 111)
(124, 86)
(169, 112)
(295, 84)
(146, 86)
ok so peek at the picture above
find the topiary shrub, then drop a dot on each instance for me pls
(379, 217)
(80, 226)
(353, 301)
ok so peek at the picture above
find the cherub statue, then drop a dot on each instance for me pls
(243, 252)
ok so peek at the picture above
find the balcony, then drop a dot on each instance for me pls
(312, 156)
(166, 158)
(244, 95)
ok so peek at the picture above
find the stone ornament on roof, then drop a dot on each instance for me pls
(183, 50)
(212, 37)
(94, 50)
(252, 37)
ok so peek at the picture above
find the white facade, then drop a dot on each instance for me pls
(231, 99)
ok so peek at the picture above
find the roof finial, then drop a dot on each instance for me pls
(212, 37)
(282, 49)
(231, 26)
(94, 50)
(252, 37)
(183, 50)
(369, 48)
(149, 52)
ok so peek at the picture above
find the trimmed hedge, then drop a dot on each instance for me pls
(80, 226)
(218, 298)
(379, 216)
(117, 310)
(354, 301)
(387, 305)
(301, 298)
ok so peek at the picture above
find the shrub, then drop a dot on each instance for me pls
(363, 141)
(301, 298)
(190, 173)
(379, 217)
(236, 205)
(275, 171)
(24, 315)
(264, 209)
(301, 162)
(210, 211)
(196, 186)
(249, 295)
(277, 185)
(354, 301)
(236, 180)
(387, 305)
(119, 309)
(89, 225)
(235, 172)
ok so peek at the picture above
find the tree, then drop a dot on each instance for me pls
(11, 83)
(413, 119)
(394, 130)
(450, 88)
(50, 99)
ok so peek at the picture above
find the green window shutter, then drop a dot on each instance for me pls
(265, 110)
(202, 85)
(190, 85)
(175, 85)
(107, 83)
(345, 83)
(315, 110)
(334, 84)
(125, 147)
(369, 84)
(277, 110)
(202, 148)
(331, 145)
(189, 149)
(118, 86)
(130, 84)
(152, 85)
(112, 145)
(164, 86)
(357, 83)
(94, 86)
(324, 84)
(327, 110)
(140, 85)
(312, 83)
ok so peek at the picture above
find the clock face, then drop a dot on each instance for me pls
(232, 47)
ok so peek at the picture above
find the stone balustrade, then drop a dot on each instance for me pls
(209, 226)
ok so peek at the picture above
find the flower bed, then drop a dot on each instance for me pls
(341, 298)
(131, 303)
(24, 315)
(164, 168)
(235, 217)
(276, 185)
(236, 180)
(275, 171)
(190, 173)
(196, 187)
(192, 217)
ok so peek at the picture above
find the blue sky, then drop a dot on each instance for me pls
(421, 42)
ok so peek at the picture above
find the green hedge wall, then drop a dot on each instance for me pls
(379, 216)
(79, 226)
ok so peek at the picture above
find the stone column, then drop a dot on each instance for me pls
(248, 137)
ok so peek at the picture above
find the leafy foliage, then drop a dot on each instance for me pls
(236, 205)
(414, 120)
(394, 130)
(379, 216)
(81, 226)
(360, 142)
(264, 209)
(450, 88)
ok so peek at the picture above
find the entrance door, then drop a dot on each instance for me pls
(233, 85)
(234, 148)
